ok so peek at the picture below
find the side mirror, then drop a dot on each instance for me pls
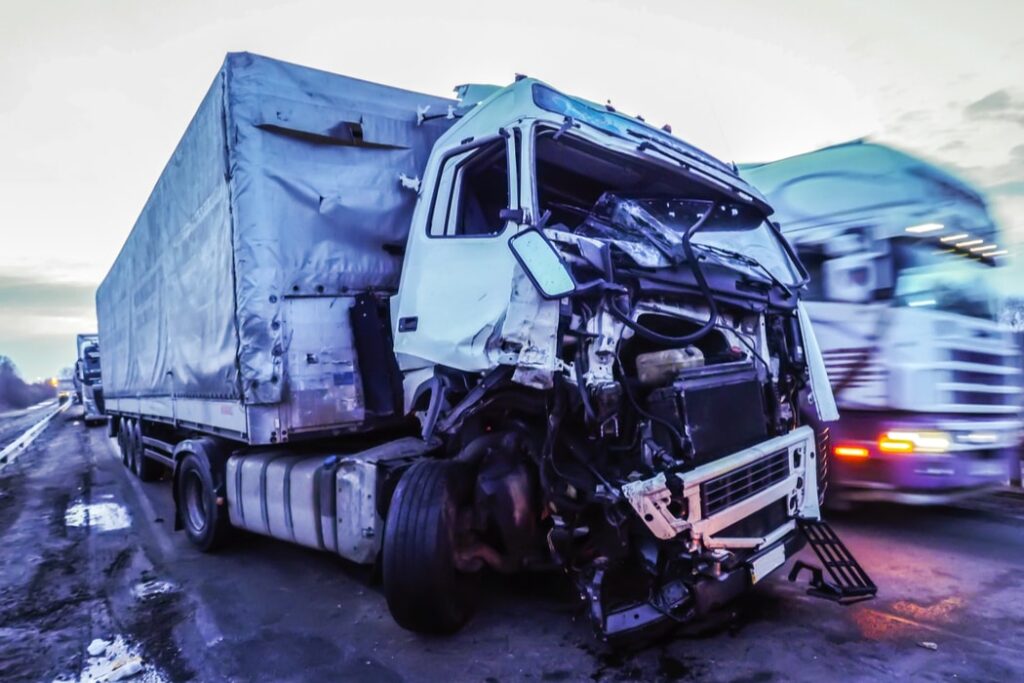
(542, 264)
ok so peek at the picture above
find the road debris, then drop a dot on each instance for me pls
(97, 647)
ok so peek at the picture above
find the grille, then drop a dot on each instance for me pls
(727, 490)
(975, 377)
(982, 398)
(761, 523)
(1001, 381)
(980, 357)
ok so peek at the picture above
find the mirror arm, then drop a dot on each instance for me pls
(542, 222)
(599, 285)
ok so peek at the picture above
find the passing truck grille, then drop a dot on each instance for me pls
(725, 491)
(975, 356)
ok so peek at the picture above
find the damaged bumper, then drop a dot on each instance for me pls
(720, 499)
(734, 519)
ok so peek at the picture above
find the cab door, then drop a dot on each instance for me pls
(458, 271)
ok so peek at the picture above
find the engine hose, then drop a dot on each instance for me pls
(636, 406)
(581, 385)
(702, 284)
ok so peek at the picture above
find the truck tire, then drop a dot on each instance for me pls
(205, 522)
(129, 442)
(122, 440)
(425, 592)
(145, 468)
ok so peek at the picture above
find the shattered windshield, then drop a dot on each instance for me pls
(738, 234)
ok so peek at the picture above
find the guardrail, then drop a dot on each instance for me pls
(11, 452)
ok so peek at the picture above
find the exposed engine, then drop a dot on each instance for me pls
(650, 363)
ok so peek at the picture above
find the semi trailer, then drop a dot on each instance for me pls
(88, 379)
(928, 381)
(509, 331)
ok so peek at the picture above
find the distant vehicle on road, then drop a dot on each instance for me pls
(928, 382)
(88, 379)
(66, 388)
(517, 330)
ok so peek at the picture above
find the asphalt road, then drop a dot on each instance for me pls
(89, 553)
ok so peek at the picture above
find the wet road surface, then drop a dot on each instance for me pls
(89, 554)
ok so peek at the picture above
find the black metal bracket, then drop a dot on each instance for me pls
(848, 583)
(820, 588)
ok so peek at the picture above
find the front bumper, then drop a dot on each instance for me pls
(736, 519)
(717, 498)
(678, 601)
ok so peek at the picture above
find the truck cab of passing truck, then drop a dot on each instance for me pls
(903, 256)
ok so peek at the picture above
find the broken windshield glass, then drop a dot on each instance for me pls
(737, 234)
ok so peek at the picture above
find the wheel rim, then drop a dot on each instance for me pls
(195, 506)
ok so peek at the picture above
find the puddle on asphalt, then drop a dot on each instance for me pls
(944, 610)
(115, 660)
(104, 515)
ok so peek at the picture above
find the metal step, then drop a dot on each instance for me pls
(848, 582)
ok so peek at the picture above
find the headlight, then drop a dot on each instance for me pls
(899, 441)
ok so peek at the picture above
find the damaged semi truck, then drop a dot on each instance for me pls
(507, 332)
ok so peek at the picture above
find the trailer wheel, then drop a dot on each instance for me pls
(205, 522)
(145, 469)
(424, 589)
(129, 442)
(122, 440)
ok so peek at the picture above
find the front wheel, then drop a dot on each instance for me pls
(424, 589)
(205, 522)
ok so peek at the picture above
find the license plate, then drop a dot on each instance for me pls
(986, 469)
(767, 563)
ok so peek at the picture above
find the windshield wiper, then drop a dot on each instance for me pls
(748, 261)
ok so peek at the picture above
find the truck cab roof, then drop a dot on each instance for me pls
(492, 107)
(862, 181)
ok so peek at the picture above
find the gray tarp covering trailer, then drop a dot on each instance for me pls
(228, 306)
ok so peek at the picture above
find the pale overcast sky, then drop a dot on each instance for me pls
(94, 96)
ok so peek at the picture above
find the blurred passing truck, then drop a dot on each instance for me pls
(88, 379)
(514, 331)
(928, 383)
